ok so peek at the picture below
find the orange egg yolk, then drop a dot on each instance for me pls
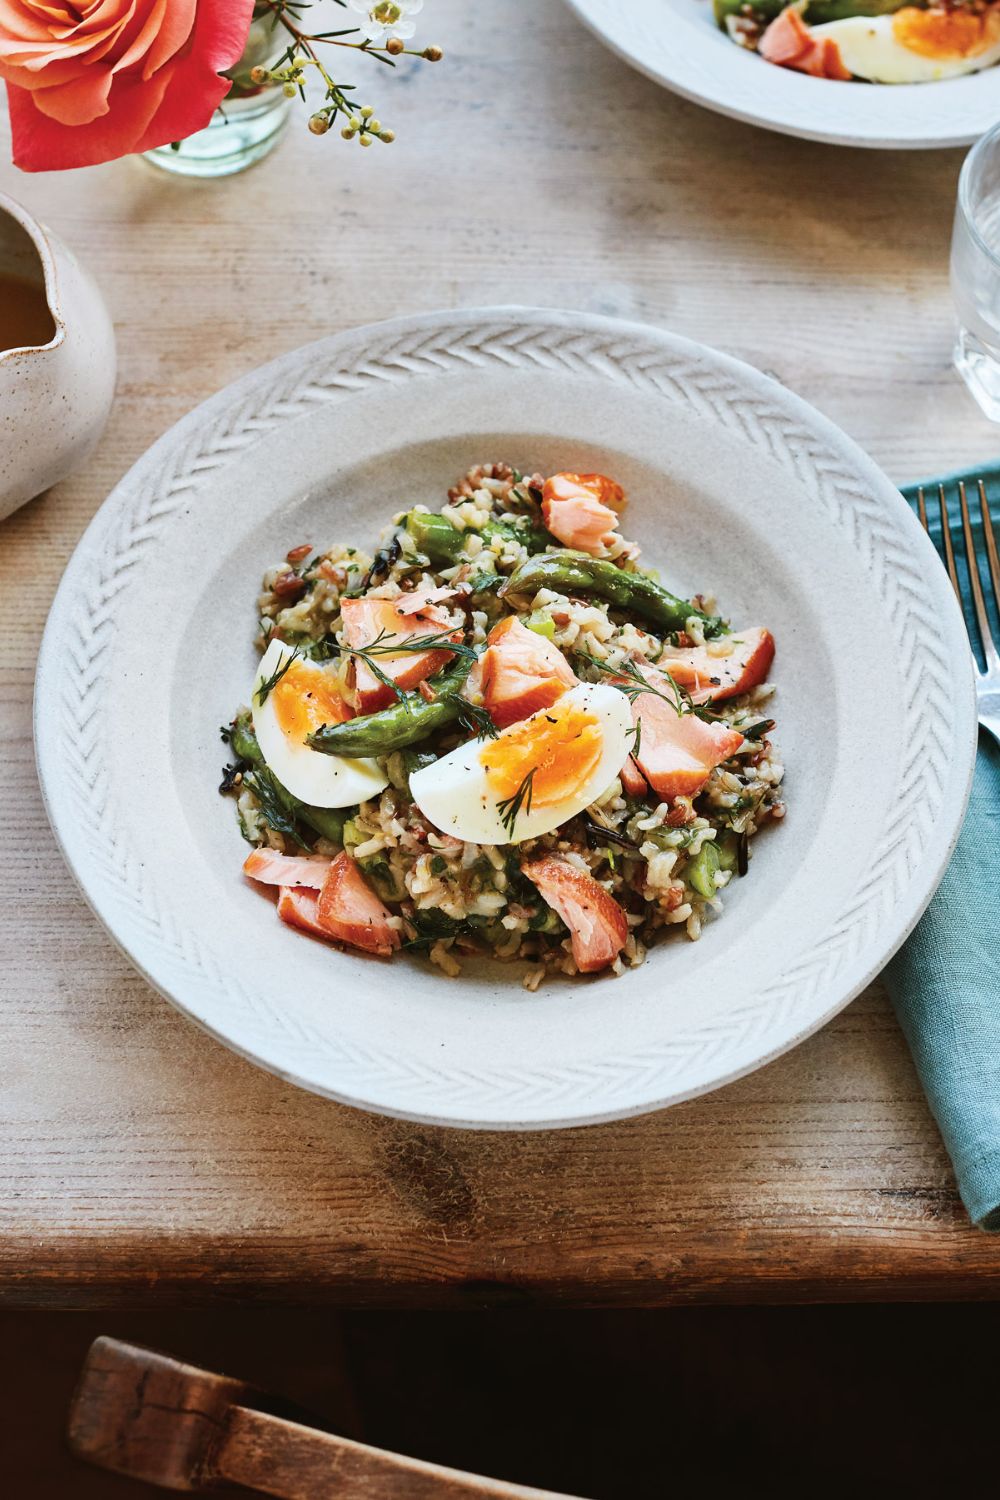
(305, 698)
(562, 746)
(945, 33)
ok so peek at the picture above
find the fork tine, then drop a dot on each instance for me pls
(991, 544)
(949, 551)
(922, 508)
(982, 618)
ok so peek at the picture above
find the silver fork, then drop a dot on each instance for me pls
(988, 682)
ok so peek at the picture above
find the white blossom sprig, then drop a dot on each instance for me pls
(382, 33)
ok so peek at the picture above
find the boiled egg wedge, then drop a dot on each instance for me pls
(291, 698)
(534, 775)
(915, 46)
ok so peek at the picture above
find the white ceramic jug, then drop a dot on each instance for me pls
(54, 396)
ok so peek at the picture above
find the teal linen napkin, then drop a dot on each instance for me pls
(945, 981)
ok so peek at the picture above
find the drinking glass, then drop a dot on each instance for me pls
(975, 273)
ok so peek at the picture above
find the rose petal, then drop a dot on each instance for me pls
(174, 31)
(196, 90)
(77, 102)
(175, 94)
(42, 144)
(221, 29)
(36, 56)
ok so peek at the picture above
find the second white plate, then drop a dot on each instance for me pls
(677, 43)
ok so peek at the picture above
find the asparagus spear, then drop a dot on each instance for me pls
(442, 542)
(412, 719)
(578, 573)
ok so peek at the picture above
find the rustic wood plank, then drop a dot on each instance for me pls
(138, 1159)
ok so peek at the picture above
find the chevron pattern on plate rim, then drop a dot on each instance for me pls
(185, 460)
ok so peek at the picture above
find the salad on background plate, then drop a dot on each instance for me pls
(875, 41)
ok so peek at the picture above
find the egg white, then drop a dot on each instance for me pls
(454, 793)
(318, 779)
(870, 49)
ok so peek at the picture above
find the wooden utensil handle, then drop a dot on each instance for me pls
(149, 1416)
(297, 1463)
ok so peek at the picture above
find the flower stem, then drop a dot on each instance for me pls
(289, 69)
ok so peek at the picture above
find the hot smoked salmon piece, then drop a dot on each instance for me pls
(272, 868)
(711, 678)
(367, 619)
(349, 910)
(597, 926)
(521, 672)
(677, 752)
(421, 600)
(789, 42)
(576, 509)
(299, 907)
(632, 780)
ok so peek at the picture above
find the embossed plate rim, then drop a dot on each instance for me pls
(678, 45)
(670, 368)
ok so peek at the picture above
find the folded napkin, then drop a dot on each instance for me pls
(945, 981)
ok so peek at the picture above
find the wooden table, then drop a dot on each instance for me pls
(141, 1161)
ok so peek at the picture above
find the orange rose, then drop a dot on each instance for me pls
(92, 80)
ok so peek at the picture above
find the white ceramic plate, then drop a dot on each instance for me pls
(736, 486)
(677, 43)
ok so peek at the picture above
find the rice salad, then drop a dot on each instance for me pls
(499, 735)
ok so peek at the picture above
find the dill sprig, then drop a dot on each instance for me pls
(383, 678)
(264, 787)
(678, 697)
(636, 684)
(476, 720)
(266, 688)
(388, 644)
(511, 807)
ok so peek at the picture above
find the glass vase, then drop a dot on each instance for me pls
(248, 124)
